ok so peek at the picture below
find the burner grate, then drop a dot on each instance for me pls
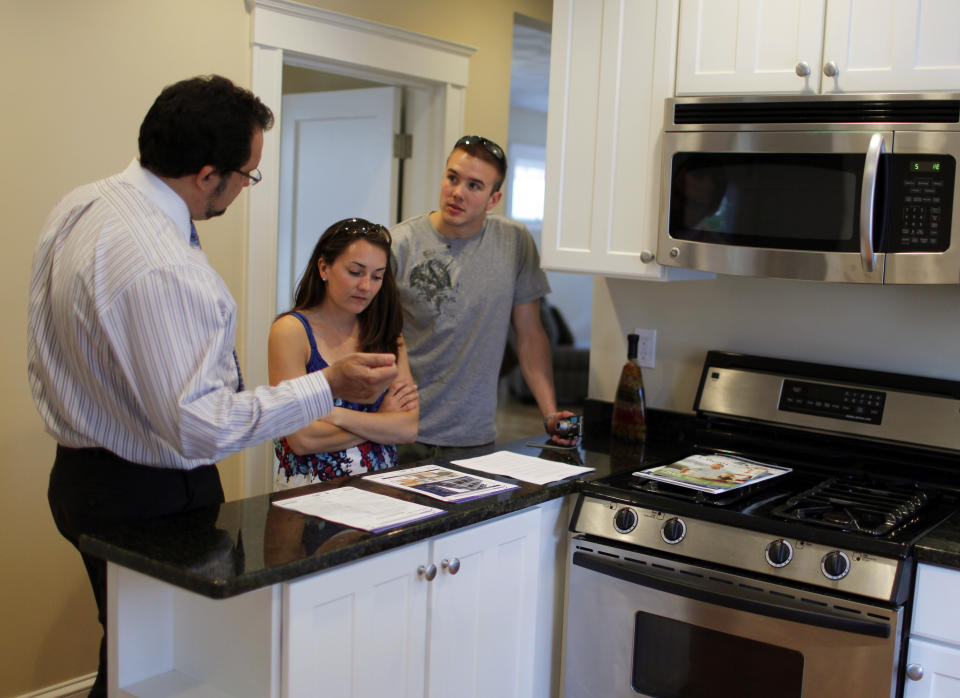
(856, 504)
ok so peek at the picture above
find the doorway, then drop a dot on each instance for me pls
(434, 73)
(570, 301)
(337, 161)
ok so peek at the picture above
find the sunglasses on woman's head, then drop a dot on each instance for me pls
(359, 227)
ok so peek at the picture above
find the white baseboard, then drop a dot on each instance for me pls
(79, 686)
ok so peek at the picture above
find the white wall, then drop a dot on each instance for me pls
(906, 329)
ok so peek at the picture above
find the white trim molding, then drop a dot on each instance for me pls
(74, 688)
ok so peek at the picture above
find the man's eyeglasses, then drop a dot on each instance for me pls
(253, 175)
(495, 150)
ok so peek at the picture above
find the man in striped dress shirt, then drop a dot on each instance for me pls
(131, 331)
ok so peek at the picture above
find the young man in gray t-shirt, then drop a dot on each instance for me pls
(465, 277)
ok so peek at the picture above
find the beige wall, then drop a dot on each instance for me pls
(78, 78)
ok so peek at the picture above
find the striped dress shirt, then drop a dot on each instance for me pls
(131, 335)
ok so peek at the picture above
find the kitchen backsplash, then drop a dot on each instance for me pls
(907, 329)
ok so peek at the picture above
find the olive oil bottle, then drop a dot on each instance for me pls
(629, 407)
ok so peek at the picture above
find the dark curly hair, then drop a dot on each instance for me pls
(206, 120)
(381, 322)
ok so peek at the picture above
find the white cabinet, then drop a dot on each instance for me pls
(359, 630)
(611, 68)
(468, 613)
(465, 600)
(933, 653)
(483, 618)
(817, 46)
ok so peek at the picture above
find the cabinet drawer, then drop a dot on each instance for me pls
(936, 613)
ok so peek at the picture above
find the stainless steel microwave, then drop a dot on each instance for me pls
(849, 188)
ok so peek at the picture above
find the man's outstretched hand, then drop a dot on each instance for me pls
(361, 377)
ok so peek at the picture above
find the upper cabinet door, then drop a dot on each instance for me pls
(734, 46)
(611, 68)
(892, 45)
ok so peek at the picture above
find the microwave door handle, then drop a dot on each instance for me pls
(868, 258)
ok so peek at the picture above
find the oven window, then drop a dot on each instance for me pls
(672, 659)
(784, 201)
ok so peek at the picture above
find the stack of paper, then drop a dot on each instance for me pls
(358, 508)
(526, 468)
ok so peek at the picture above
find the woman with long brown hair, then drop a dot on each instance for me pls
(347, 301)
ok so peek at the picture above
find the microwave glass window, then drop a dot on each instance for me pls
(800, 201)
(673, 659)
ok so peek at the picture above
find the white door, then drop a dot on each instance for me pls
(731, 46)
(336, 161)
(483, 609)
(357, 631)
(892, 45)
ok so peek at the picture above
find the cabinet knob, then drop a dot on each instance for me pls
(915, 672)
(646, 256)
(451, 566)
(830, 69)
(803, 69)
(427, 571)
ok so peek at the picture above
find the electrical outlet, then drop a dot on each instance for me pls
(646, 347)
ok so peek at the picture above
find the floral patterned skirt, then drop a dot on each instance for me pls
(294, 470)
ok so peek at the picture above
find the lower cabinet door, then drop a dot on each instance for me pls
(937, 667)
(357, 631)
(483, 609)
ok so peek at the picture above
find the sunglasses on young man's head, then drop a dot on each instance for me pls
(491, 147)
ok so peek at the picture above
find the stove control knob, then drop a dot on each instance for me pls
(673, 531)
(779, 553)
(835, 565)
(625, 520)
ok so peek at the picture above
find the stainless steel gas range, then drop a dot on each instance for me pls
(798, 586)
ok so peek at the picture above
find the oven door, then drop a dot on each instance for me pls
(642, 625)
(777, 204)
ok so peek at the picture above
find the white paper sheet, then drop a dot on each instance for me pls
(526, 468)
(358, 508)
(445, 484)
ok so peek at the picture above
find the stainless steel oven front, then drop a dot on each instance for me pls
(640, 624)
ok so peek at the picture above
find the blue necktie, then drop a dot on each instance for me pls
(195, 242)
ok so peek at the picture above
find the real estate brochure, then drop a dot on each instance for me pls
(713, 473)
(445, 484)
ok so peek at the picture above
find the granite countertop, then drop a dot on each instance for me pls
(942, 545)
(247, 544)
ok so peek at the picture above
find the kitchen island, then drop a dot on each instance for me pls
(251, 599)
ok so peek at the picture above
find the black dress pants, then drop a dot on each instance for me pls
(92, 490)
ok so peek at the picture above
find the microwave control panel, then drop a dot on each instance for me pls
(921, 202)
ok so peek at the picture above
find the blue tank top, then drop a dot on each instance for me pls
(294, 470)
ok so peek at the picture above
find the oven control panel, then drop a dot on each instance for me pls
(836, 401)
(745, 549)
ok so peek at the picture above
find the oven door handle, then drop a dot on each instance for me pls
(629, 573)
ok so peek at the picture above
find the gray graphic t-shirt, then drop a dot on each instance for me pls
(457, 299)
